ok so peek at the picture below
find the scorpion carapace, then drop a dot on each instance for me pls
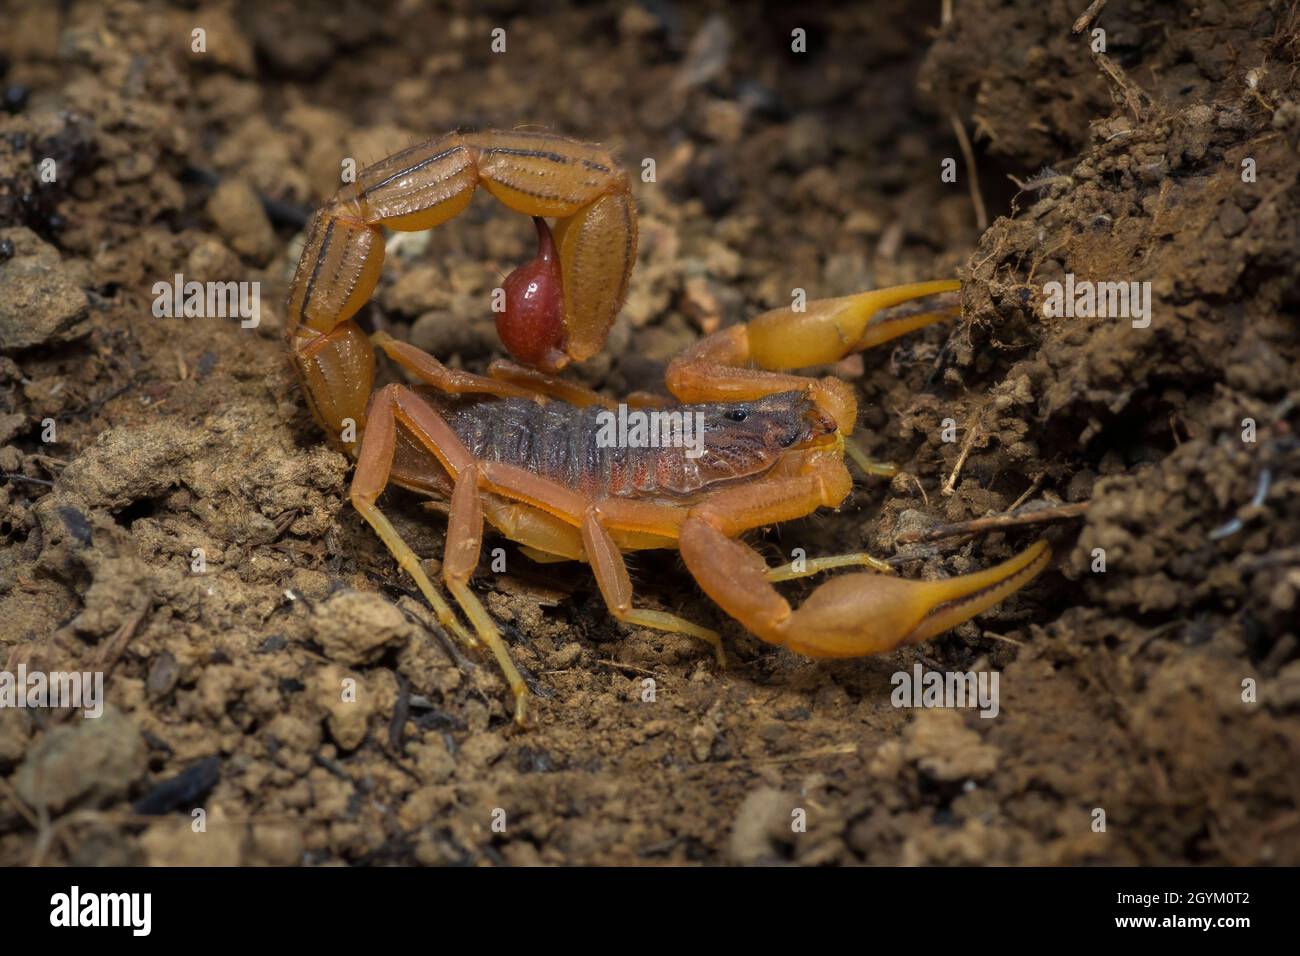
(520, 449)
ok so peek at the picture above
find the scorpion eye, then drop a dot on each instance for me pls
(736, 414)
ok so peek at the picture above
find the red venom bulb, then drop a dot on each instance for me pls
(532, 325)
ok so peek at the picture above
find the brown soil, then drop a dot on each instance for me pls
(1121, 690)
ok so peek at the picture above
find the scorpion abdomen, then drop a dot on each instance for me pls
(562, 442)
(592, 450)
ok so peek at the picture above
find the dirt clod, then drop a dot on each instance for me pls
(42, 303)
(355, 627)
(91, 763)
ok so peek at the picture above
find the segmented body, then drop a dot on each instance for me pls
(572, 445)
(561, 442)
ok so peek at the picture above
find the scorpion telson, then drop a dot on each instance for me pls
(532, 325)
(516, 449)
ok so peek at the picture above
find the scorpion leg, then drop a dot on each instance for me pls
(393, 404)
(374, 463)
(616, 587)
(464, 543)
(464, 532)
(518, 484)
(811, 566)
(504, 379)
(545, 538)
(635, 519)
(552, 386)
(430, 371)
(594, 520)
(849, 616)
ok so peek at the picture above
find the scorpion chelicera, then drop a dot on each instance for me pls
(519, 449)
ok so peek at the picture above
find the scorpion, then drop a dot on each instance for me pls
(517, 448)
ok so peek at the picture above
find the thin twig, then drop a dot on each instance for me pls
(951, 481)
(921, 488)
(117, 644)
(994, 523)
(968, 154)
(1135, 98)
(1086, 18)
(1026, 496)
(972, 174)
(17, 477)
(619, 665)
(1003, 638)
(835, 750)
(1036, 183)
